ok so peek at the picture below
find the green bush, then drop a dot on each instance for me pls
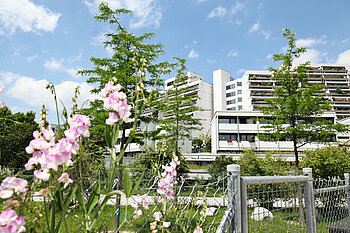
(219, 167)
(254, 165)
(327, 162)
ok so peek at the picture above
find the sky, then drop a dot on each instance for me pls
(45, 41)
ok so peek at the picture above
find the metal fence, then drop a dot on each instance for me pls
(194, 204)
(286, 203)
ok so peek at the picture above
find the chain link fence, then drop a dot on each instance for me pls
(193, 204)
(286, 203)
(331, 204)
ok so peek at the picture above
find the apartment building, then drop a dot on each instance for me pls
(250, 92)
(232, 129)
(236, 131)
(195, 85)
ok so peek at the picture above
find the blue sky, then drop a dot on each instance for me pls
(48, 40)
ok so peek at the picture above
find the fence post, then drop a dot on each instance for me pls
(347, 183)
(234, 196)
(309, 202)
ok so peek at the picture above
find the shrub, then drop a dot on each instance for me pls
(327, 162)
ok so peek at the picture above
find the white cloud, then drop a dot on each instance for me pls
(269, 56)
(312, 55)
(238, 6)
(344, 58)
(146, 12)
(255, 27)
(193, 54)
(210, 61)
(27, 16)
(33, 92)
(98, 39)
(53, 64)
(32, 58)
(7, 77)
(193, 43)
(217, 12)
(309, 42)
(57, 65)
(232, 53)
(258, 29)
(240, 71)
(266, 34)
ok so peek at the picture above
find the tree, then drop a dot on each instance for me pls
(178, 108)
(330, 161)
(297, 106)
(132, 57)
(16, 131)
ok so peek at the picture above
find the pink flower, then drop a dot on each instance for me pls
(157, 216)
(64, 178)
(2, 104)
(10, 222)
(7, 217)
(166, 224)
(113, 118)
(198, 230)
(116, 101)
(2, 88)
(12, 185)
(137, 213)
(79, 127)
(45, 175)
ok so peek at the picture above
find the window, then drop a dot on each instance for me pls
(227, 137)
(228, 87)
(239, 99)
(239, 84)
(247, 137)
(230, 102)
(232, 109)
(227, 120)
(230, 94)
(240, 107)
(239, 92)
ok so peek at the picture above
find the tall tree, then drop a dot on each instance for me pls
(178, 107)
(298, 105)
(132, 57)
(16, 131)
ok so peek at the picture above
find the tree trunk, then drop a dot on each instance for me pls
(299, 187)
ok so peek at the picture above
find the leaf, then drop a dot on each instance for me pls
(136, 184)
(69, 197)
(80, 199)
(93, 198)
(127, 183)
(108, 136)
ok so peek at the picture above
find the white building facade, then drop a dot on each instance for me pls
(232, 129)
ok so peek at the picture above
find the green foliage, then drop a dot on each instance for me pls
(327, 162)
(297, 107)
(16, 131)
(254, 165)
(202, 143)
(219, 167)
(178, 108)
